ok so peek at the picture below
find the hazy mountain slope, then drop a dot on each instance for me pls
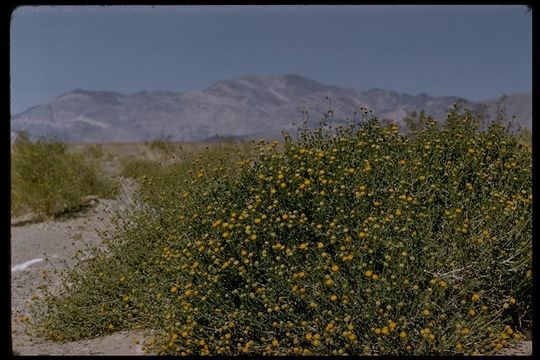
(251, 106)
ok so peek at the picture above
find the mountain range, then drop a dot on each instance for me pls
(246, 107)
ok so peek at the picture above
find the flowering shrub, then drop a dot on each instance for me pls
(349, 240)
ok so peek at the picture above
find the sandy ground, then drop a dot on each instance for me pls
(524, 348)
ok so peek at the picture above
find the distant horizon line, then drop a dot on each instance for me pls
(79, 89)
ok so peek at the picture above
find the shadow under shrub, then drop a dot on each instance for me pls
(354, 240)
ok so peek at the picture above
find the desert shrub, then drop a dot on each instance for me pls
(165, 180)
(48, 180)
(95, 151)
(160, 146)
(352, 240)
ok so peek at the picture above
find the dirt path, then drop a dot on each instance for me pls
(57, 241)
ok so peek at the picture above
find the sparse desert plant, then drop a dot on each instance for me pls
(351, 240)
(161, 146)
(48, 180)
(95, 151)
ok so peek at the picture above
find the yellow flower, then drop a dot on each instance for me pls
(375, 277)
(512, 301)
(335, 268)
(275, 343)
(443, 284)
(333, 297)
(475, 297)
(402, 335)
(303, 246)
(174, 289)
(425, 312)
(384, 331)
(257, 221)
(368, 273)
(472, 312)
(329, 282)
(377, 331)
(362, 235)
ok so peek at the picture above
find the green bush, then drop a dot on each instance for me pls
(47, 180)
(354, 240)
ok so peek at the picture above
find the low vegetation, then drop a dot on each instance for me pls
(175, 168)
(48, 180)
(354, 240)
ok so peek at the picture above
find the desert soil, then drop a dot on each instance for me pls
(58, 240)
(524, 348)
(39, 246)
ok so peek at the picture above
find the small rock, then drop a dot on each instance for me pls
(89, 199)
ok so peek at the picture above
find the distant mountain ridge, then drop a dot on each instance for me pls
(246, 107)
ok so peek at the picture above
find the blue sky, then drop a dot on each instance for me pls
(476, 52)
